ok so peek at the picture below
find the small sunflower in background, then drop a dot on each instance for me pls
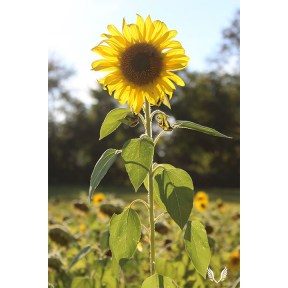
(139, 60)
(82, 227)
(234, 260)
(98, 198)
(201, 201)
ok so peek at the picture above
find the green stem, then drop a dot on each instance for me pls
(158, 137)
(156, 112)
(142, 118)
(141, 201)
(148, 123)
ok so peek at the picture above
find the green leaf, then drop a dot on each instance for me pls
(176, 192)
(104, 240)
(158, 170)
(82, 282)
(158, 281)
(100, 266)
(138, 155)
(197, 127)
(101, 168)
(83, 252)
(125, 232)
(197, 247)
(109, 280)
(112, 121)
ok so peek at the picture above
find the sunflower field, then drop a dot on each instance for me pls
(79, 254)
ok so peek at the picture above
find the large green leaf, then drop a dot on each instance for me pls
(158, 281)
(158, 170)
(197, 247)
(176, 192)
(83, 252)
(125, 232)
(112, 121)
(101, 168)
(138, 155)
(197, 127)
(82, 282)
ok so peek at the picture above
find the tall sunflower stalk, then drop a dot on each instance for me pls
(139, 61)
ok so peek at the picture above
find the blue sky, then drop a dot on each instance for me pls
(76, 26)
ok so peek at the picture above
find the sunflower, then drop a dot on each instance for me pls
(234, 260)
(82, 227)
(201, 200)
(139, 61)
(98, 198)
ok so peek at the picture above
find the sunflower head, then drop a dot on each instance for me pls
(234, 260)
(82, 227)
(98, 198)
(201, 200)
(140, 60)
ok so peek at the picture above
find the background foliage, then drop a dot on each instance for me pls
(79, 251)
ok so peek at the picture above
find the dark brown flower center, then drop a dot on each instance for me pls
(141, 63)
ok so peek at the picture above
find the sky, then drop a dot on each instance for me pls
(75, 27)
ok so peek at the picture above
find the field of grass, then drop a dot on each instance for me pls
(77, 227)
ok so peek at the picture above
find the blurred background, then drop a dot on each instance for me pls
(209, 32)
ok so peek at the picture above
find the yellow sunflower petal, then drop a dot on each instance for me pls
(124, 99)
(172, 44)
(167, 87)
(103, 35)
(117, 43)
(104, 65)
(138, 101)
(178, 52)
(119, 93)
(166, 101)
(101, 81)
(167, 36)
(149, 28)
(115, 86)
(114, 31)
(160, 29)
(105, 51)
(173, 63)
(178, 58)
(152, 95)
(175, 66)
(135, 33)
(141, 24)
(175, 78)
(169, 83)
(126, 31)
(112, 78)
